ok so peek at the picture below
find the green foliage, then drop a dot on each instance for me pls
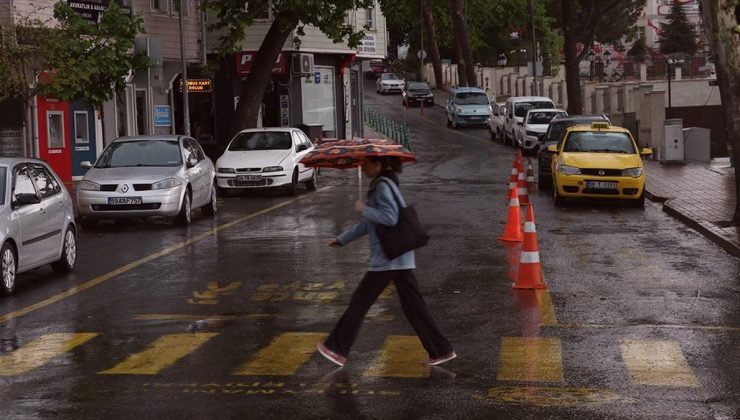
(233, 19)
(639, 49)
(677, 36)
(90, 61)
(19, 58)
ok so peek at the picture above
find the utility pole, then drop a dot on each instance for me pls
(534, 51)
(421, 52)
(185, 104)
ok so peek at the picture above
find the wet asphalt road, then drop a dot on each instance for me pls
(218, 320)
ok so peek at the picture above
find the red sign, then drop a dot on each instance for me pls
(244, 60)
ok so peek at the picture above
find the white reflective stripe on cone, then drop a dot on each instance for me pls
(512, 185)
(514, 171)
(529, 257)
(522, 175)
(514, 202)
(529, 227)
(522, 191)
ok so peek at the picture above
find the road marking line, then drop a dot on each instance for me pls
(670, 326)
(130, 266)
(401, 356)
(161, 354)
(657, 362)
(39, 351)
(547, 310)
(284, 355)
(530, 359)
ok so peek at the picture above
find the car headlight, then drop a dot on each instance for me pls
(272, 169)
(226, 170)
(166, 184)
(458, 110)
(569, 170)
(632, 172)
(489, 109)
(88, 186)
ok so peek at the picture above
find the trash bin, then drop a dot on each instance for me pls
(313, 131)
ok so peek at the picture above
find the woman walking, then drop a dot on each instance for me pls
(383, 200)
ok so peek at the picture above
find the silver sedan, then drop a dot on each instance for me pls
(145, 176)
(37, 225)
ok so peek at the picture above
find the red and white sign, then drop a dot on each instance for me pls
(244, 60)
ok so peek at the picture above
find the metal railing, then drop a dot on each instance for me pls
(399, 132)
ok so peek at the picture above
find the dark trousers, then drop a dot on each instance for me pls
(372, 285)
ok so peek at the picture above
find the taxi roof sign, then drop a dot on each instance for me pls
(599, 124)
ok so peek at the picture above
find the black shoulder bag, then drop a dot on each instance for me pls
(405, 236)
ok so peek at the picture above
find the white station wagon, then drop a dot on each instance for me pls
(266, 158)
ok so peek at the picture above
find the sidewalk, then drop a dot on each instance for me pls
(701, 196)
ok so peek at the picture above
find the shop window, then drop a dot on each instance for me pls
(82, 132)
(159, 6)
(370, 18)
(175, 7)
(55, 129)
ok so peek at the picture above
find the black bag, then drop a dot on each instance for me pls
(405, 236)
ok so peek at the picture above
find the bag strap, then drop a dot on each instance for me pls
(394, 190)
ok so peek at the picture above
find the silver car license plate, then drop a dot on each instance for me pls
(115, 201)
(601, 185)
(244, 178)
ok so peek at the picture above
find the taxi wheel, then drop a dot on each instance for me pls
(557, 199)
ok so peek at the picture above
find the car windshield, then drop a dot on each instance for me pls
(261, 140)
(389, 76)
(3, 174)
(541, 117)
(521, 108)
(599, 142)
(419, 88)
(556, 129)
(471, 98)
(141, 153)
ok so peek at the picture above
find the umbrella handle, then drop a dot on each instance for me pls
(359, 184)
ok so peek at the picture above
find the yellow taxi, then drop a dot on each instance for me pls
(598, 161)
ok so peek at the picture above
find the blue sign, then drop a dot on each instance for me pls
(317, 77)
(162, 116)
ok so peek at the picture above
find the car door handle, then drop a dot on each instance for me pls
(42, 211)
(61, 204)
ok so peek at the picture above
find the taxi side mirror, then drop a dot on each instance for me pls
(646, 151)
(553, 148)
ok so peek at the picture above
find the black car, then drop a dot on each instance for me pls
(417, 93)
(555, 130)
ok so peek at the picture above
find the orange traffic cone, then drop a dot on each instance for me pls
(522, 189)
(519, 161)
(531, 185)
(514, 175)
(530, 270)
(513, 231)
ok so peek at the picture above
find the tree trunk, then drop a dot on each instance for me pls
(462, 77)
(433, 48)
(463, 42)
(253, 89)
(719, 23)
(572, 79)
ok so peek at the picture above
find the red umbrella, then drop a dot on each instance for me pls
(344, 154)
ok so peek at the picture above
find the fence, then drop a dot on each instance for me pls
(399, 132)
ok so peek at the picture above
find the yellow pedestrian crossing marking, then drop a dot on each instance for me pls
(402, 356)
(657, 362)
(161, 354)
(40, 351)
(530, 359)
(283, 356)
(547, 311)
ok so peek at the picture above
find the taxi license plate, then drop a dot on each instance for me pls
(244, 178)
(601, 185)
(123, 200)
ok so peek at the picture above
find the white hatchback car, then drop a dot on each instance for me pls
(37, 224)
(266, 158)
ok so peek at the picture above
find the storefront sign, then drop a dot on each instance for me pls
(162, 116)
(11, 142)
(690, 7)
(244, 60)
(93, 11)
(199, 86)
(367, 45)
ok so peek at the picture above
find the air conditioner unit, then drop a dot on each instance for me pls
(302, 63)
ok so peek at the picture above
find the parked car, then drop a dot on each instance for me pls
(376, 69)
(532, 130)
(496, 127)
(37, 224)
(389, 83)
(417, 93)
(555, 131)
(266, 158)
(468, 106)
(516, 109)
(598, 161)
(144, 176)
